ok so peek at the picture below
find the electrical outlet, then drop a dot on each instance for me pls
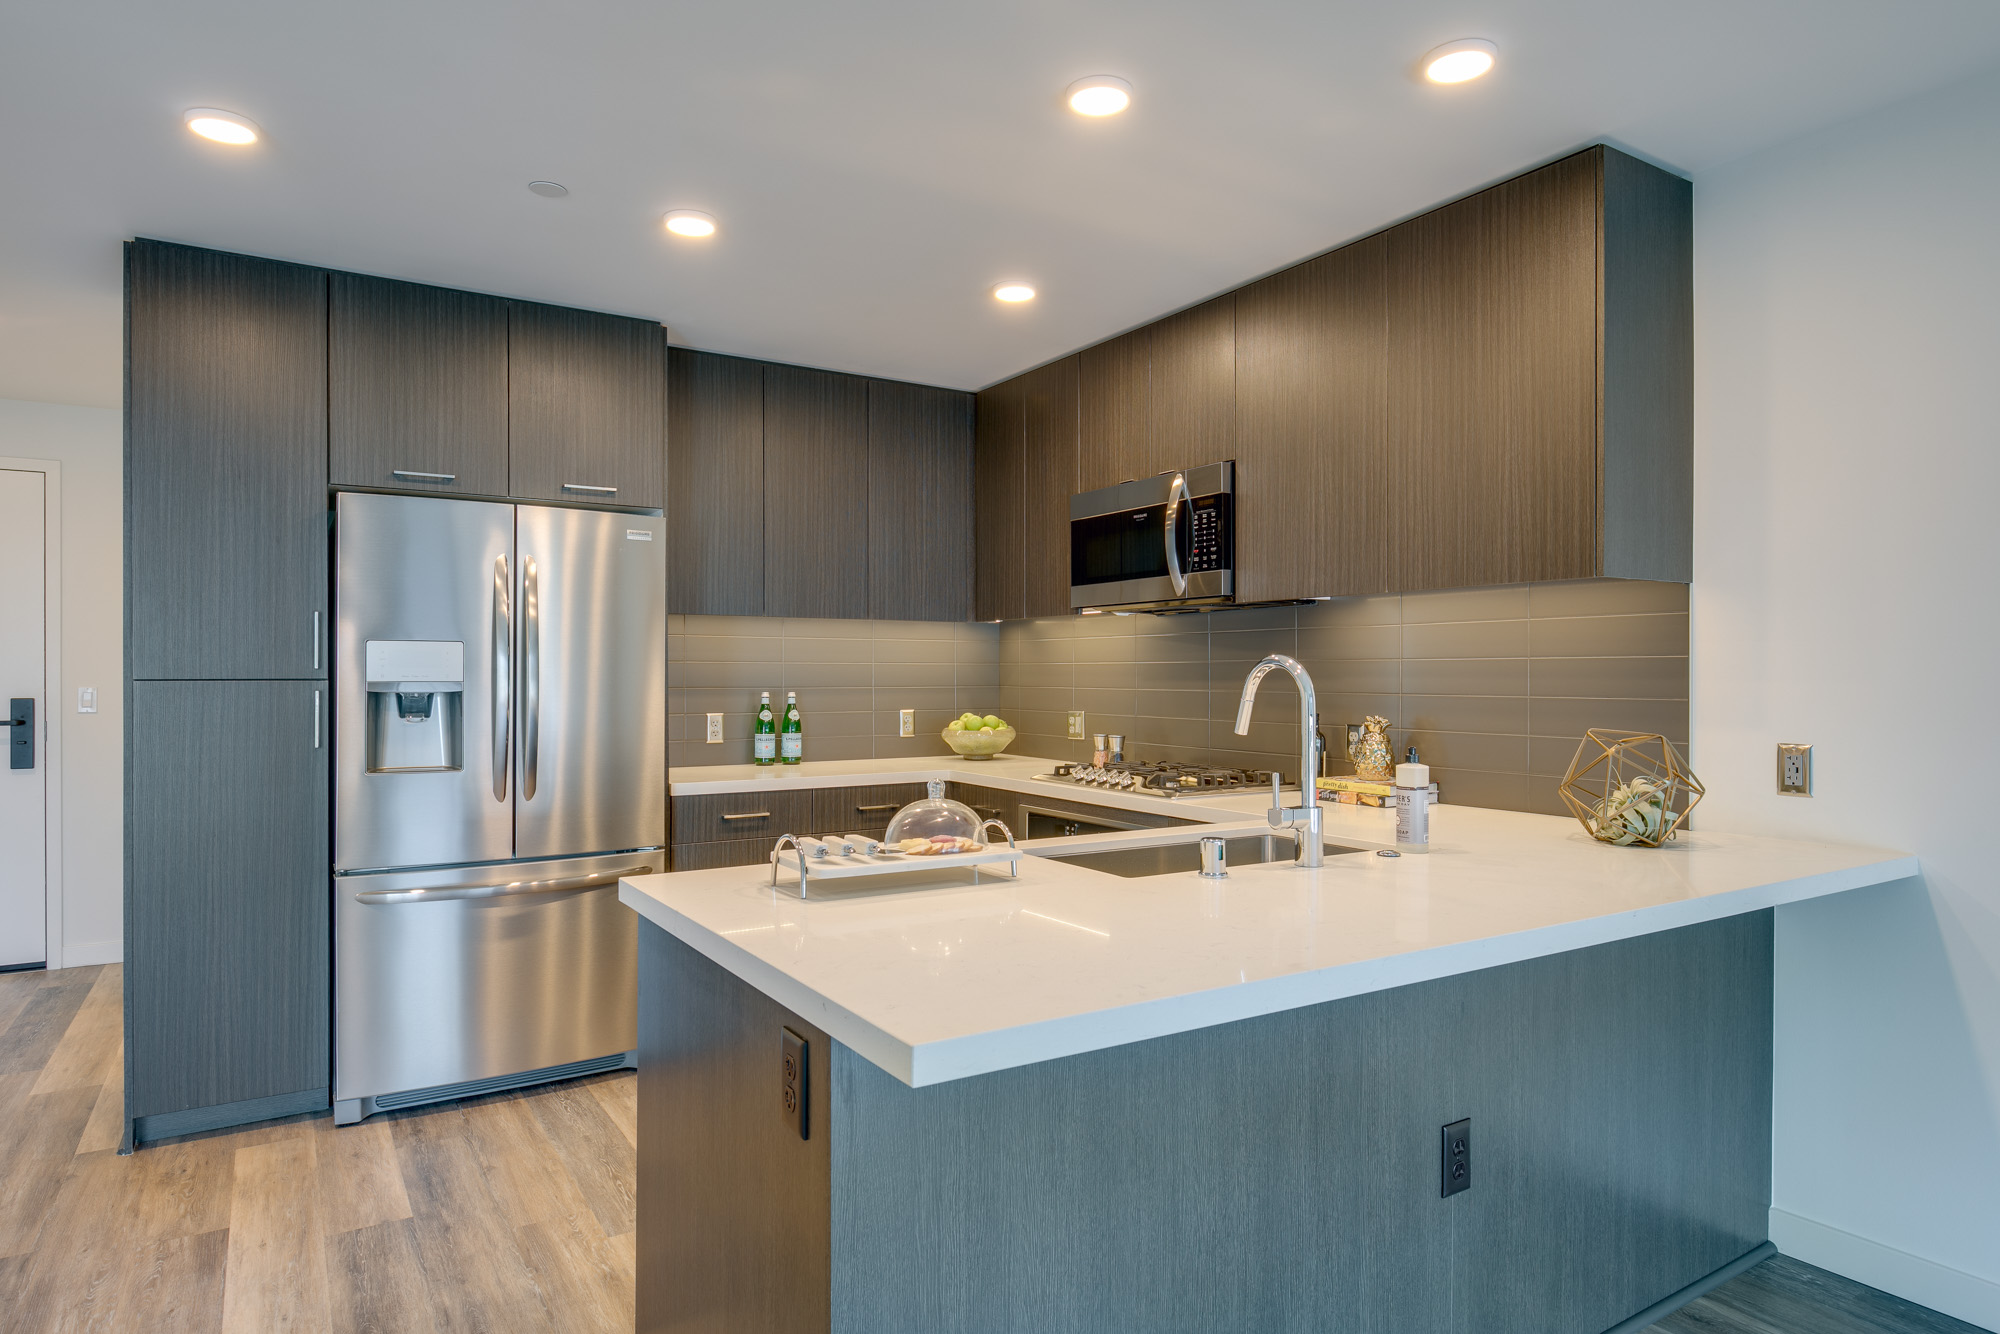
(1794, 768)
(1455, 1158)
(1076, 732)
(909, 723)
(1355, 731)
(793, 1087)
(86, 699)
(714, 729)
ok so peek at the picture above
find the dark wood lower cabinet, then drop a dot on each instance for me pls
(227, 959)
(1278, 1174)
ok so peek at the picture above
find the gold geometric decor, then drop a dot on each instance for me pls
(1630, 787)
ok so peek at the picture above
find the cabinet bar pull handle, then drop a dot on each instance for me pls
(315, 641)
(409, 476)
(315, 720)
(593, 490)
(749, 815)
(885, 806)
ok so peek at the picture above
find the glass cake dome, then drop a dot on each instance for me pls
(937, 819)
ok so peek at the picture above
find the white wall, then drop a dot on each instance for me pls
(1847, 594)
(88, 444)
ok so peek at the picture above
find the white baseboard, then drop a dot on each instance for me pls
(1911, 1277)
(83, 954)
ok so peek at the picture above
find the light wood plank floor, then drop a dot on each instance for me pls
(1787, 1296)
(507, 1213)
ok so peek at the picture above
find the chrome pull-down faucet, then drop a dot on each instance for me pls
(1306, 818)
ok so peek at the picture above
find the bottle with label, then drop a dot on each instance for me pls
(791, 733)
(764, 741)
(1413, 808)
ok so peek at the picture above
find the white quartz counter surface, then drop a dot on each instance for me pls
(955, 979)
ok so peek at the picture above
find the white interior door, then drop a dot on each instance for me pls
(23, 792)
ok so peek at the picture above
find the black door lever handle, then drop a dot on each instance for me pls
(21, 746)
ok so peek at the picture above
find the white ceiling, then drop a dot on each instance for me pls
(876, 166)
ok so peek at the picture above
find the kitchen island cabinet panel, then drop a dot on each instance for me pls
(1312, 480)
(418, 387)
(815, 493)
(586, 407)
(1049, 445)
(226, 938)
(225, 466)
(919, 479)
(716, 495)
(1114, 411)
(999, 515)
(1280, 1173)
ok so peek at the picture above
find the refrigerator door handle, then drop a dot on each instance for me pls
(503, 675)
(512, 889)
(531, 678)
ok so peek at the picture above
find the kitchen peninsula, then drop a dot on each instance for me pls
(1078, 1102)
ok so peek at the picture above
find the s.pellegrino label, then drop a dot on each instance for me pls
(764, 741)
(792, 733)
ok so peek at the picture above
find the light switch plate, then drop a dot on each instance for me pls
(909, 723)
(1076, 732)
(1795, 768)
(86, 699)
(714, 729)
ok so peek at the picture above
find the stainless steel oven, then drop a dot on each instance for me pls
(1165, 541)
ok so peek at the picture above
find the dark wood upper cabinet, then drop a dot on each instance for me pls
(815, 493)
(226, 923)
(919, 502)
(1049, 442)
(225, 465)
(716, 484)
(999, 518)
(586, 407)
(1192, 390)
(1114, 411)
(1312, 485)
(417, 384)
(1493, 383)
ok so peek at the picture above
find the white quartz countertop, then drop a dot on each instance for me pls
(956, 979)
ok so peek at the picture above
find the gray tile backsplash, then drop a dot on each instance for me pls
(1493, 686)
(853, 678)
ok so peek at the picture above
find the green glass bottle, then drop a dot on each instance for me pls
(764, 741)
(792, 735)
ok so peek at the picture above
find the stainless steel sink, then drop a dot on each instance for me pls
(1184, 854)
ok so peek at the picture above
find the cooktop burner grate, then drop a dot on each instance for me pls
(1160, 778)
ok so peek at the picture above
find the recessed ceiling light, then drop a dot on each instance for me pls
(1013, 292)
(1455, 62)
(690, 222)
(1099, 95)
(225, 127)
(548, 189)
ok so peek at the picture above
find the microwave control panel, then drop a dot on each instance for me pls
(1210, 543)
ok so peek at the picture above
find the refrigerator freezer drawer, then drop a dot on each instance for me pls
(449, 976)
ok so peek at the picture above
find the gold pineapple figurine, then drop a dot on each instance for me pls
(1372, 756)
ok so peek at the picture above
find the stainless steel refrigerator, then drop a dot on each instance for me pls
(500, 751)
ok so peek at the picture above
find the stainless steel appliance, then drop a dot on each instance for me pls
(1165, 541)
(1159, 778)
(500, 760)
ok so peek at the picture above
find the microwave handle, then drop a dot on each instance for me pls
(1176, 493)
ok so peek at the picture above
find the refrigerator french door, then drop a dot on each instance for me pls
(500, 760)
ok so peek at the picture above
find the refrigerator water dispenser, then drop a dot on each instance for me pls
(416, 714)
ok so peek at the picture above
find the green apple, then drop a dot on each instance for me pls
(987, 730)
(955, 725)
(970, 720)
(990, 721)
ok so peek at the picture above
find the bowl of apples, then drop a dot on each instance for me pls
(977, 738)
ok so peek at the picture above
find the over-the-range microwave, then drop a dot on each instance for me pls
(1158, 542)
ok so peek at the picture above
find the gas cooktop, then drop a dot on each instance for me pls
(1159, 778)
